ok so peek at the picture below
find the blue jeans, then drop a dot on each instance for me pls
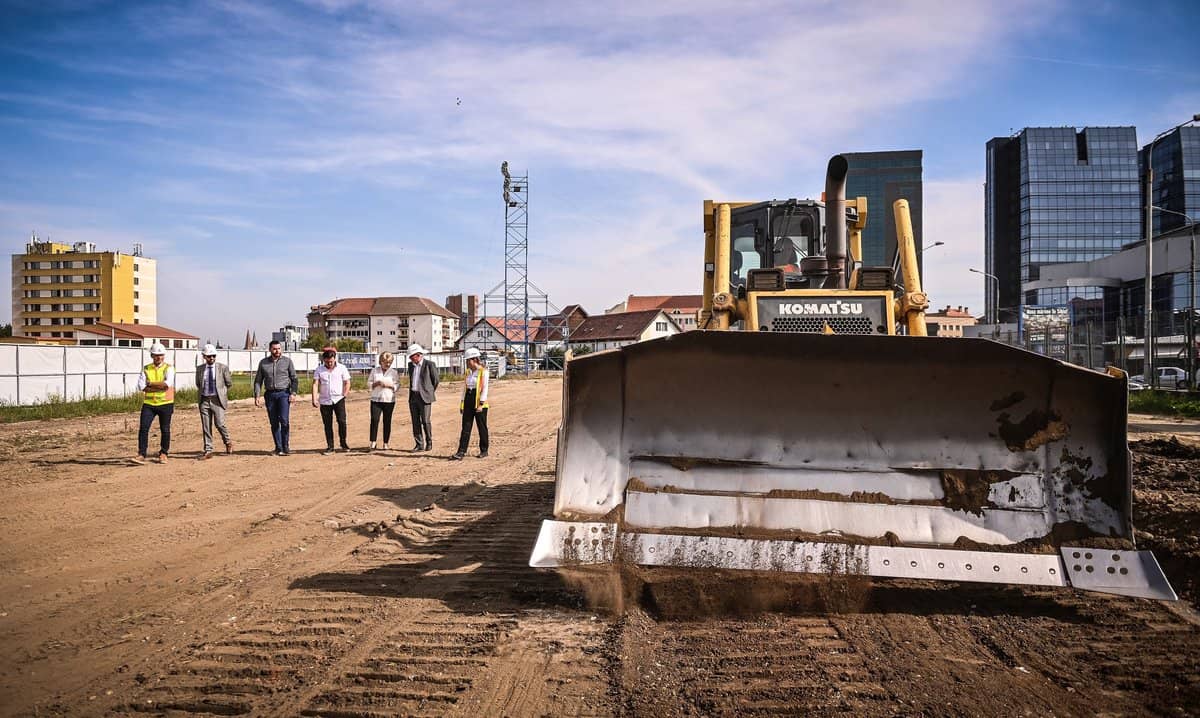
(146, 420)
(278, 408)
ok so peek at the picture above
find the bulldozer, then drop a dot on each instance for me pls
(811, 426)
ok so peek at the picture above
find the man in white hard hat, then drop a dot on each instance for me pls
(213, 380)
(423, 382)
(157, 382)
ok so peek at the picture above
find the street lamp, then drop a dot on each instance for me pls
(995, 319)
(1148, 311)
(931, 246)
(1191, 318)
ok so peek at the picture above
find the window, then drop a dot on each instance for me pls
(135, 295)
(660, 326)
(135, 280)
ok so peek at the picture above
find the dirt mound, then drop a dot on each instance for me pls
(1166, 508)
(1171, 448)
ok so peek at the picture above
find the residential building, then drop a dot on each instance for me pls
(387, 323)
(1056, 195)
(290, 336)
(684, 309)
(123, 334)
(1176, 189)
(465, 307)
(883, 178)
(949, 322)
(611, 331)
(58, 288)
(487, 334)
(348, 318)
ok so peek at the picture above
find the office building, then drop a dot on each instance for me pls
(883, 178)
(1176, 164)
(58, 287)
(1056, 195)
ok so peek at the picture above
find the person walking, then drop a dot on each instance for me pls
(213, 381)
(474, 404)
(157, 382)
(276, 376)
(331, 385)
(423, 382)
(383, 382)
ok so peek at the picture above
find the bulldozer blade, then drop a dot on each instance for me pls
(882, 439)
(577, 544)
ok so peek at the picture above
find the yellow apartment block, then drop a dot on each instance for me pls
(58, 287)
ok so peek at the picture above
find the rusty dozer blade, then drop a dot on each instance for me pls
(884, 444)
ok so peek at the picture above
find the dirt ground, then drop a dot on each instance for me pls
(396, 583)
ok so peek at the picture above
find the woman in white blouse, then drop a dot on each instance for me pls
(383, 382)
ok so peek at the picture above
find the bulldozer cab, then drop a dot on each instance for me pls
(775, 234)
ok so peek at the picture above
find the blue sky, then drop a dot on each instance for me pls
(276, 155)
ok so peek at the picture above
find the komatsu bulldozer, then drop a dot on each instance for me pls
(811, 426)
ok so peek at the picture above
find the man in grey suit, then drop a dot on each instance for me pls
(422, 387)
(213, 381)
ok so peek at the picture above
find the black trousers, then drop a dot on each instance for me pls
(327, 414)
(164, 414)
(419, 411)
(384, 409)
(479, 418)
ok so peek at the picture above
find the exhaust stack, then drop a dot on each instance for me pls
(836, 242)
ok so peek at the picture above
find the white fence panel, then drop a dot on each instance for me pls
(86, 360)
(8, 390)
(74, 387)
(36, 360)
(8, 360)
(187, 359)
(122, 384)
(124, 359)
(40, 389)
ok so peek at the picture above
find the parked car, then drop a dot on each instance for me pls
(1137, 384)
(1171, 377)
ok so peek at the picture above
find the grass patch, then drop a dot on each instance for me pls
(57, 408)
(1165, 403)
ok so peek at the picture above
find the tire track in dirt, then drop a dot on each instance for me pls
(438, 601)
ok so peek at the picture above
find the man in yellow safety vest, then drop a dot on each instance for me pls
(157, 382)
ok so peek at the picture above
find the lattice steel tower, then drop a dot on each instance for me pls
(516, 265)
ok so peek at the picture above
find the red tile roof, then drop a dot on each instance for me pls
(614, 327)
(685, 302)
(141, 331)
(376, 306)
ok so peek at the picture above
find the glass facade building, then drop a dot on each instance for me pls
(883, 178)
(1056, 195)
(1176, 165)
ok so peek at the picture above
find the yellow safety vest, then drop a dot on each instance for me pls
(156, 374)
(480, 387)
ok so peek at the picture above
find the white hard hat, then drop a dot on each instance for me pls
(414, 349)
(471, 353)
(157, 349)
(209, 350)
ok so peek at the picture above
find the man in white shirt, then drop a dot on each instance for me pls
(331, 385)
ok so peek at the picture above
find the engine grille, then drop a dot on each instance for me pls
(816, 325)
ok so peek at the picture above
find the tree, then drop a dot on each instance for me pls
(346, 344)
(5, 330)
(315, 341)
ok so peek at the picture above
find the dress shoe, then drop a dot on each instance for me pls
(207, 455)
(483, 454)
(228, 447)
(457, 456)
(139, 460)
(418, 447)
(162, 458)
(327, 452)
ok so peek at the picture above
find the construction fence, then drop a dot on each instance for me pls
(35, 374)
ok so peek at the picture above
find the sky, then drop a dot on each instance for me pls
(276, 155)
